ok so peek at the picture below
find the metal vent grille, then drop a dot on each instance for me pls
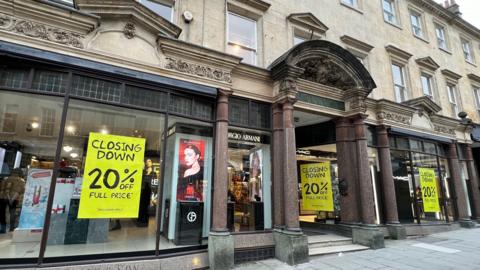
(255, 254)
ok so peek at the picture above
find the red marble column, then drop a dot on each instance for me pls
(388, 186)
(290, 182)
(367, 202)
(473, 177)
(220, 181)
(346, 170)
(278, 214)
(460, 196)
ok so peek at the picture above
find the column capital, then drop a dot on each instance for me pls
(224, 92)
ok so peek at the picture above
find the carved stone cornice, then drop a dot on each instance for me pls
(309, 21)
(394, 118)
(397, 52)
(428, 63)
(40, 31)
(444, 129)
(355, 100)
(355, 43)
(424, 104)
(198, 70)
(451, 75)
(256, 4)
(473, 77)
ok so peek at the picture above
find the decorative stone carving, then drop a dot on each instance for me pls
(198, 70)
(36, 30)
(390, 116)
(324, 71)
(444, 129)
(129, 30)
(357, 103)
(288, 85)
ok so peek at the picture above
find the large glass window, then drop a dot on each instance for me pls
(249, 180)
(242, 38)
(26, 169)
(422, 181)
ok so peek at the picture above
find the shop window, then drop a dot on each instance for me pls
(9, 119)
(95, 89)
(144, 98)
(429, 148)
(242, 37)
(416, 145)
(203, 110)
(249, 183)
(50, 81)
(47, 124)
(249, 113)
(180, 104)
(14, 78)
(26, 162)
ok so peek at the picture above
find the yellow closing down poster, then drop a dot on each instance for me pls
(316, 186)
(429, 190)
(112, 177)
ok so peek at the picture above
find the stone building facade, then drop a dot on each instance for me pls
(233, 98)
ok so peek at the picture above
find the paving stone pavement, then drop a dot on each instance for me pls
(456, 250)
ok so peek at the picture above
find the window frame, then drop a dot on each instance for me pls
(393, 14)
(454, 104)
(418, 14)
(468, 56)
(476, 95)
(442, 27)
(243, 47)
(402, 87)
(430, 82)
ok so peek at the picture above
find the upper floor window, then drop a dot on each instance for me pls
(417, 25)
(160, 8)
(467, 50)
(298, 40)
(399, 83)
(441, 37)
(389, 11)
(242, 38)
(452, 98)
(427, 85)
(476, 93)
(352, 3)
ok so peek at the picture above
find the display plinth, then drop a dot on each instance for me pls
(188, 229)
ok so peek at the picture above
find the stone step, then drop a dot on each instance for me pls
(320, 251)
(317, 241)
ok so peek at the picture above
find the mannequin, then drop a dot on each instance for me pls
(11, 193)
(148, 175)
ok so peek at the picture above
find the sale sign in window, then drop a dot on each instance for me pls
(112, 177)
(429, 190)
(316, 186)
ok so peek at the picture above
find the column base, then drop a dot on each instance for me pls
(220, 250)
(369, 236)
(466, 223)
(396, 231)
(291, 247)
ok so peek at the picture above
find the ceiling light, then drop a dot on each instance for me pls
(74, 155)
(67, 148)
(104, 131)
(35, 124)
(70, 129)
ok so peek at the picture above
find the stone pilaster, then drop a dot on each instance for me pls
(367, 202)
(290, 183)
(388, 186)
(395, 230)
(278, 202)
(346, 171)
(220, 242)
(459, 193)
(472, 175)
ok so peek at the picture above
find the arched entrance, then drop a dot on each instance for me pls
(324, 79)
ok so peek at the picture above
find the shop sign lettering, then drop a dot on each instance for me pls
(244, 137)
(428, 184)
(112, 177)
(316, 186)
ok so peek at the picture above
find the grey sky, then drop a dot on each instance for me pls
(470, 10)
